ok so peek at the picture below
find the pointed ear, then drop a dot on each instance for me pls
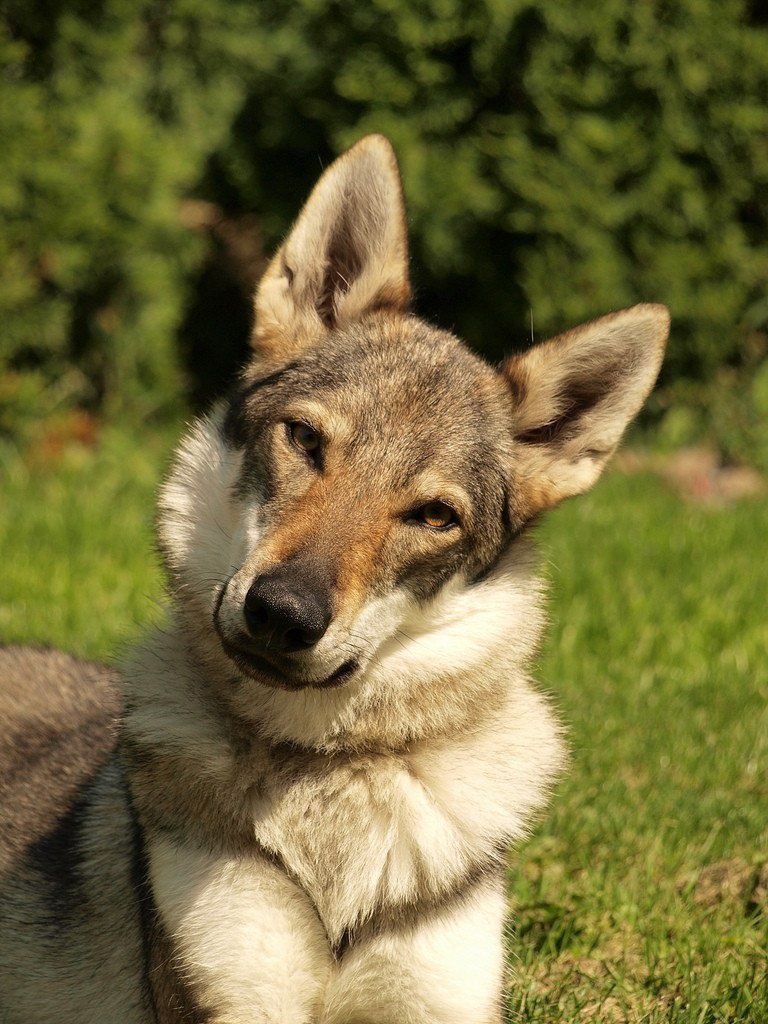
(573, 398)
(346, 255)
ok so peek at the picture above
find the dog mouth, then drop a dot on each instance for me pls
(265, 671)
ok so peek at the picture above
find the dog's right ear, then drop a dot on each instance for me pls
(346, 255)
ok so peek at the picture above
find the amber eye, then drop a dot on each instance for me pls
(304, 437)
(436, 514)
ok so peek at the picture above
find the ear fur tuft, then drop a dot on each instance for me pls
(573, 397)
(346, 255)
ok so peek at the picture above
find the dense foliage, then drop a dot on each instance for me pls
(560, 160)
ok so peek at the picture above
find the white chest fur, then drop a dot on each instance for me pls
(357, 839)
(368, 834)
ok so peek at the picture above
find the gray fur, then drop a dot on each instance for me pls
(315, 836)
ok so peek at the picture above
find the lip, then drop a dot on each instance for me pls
(261, 669)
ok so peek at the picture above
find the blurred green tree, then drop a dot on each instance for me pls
(108, 112)
(559, 161)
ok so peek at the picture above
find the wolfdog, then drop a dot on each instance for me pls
(295, 803)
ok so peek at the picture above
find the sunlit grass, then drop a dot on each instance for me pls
(639, 897)
(78, 564)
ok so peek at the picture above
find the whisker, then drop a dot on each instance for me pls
(413, 640)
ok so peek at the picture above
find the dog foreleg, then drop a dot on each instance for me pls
(247, 941)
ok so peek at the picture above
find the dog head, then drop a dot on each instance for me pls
(369, 466)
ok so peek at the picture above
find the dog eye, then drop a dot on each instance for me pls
(436, 515)
(304, 437)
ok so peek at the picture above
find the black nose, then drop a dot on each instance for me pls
(289, 608)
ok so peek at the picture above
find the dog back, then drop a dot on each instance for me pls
(71, 934)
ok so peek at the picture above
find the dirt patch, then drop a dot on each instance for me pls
(760, 893)
(608, 989)
(607, 1011)
(697, 474)
(73, 428)
(731, 881)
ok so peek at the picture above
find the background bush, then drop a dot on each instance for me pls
(560, 160)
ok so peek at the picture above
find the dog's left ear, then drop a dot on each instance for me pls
(346, 255)
(573, 398)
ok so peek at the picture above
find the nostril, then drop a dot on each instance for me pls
(256, 617)
(297, 638)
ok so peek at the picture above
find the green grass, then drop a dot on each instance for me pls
(639, 896)
(79, 570)
(658, 660)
